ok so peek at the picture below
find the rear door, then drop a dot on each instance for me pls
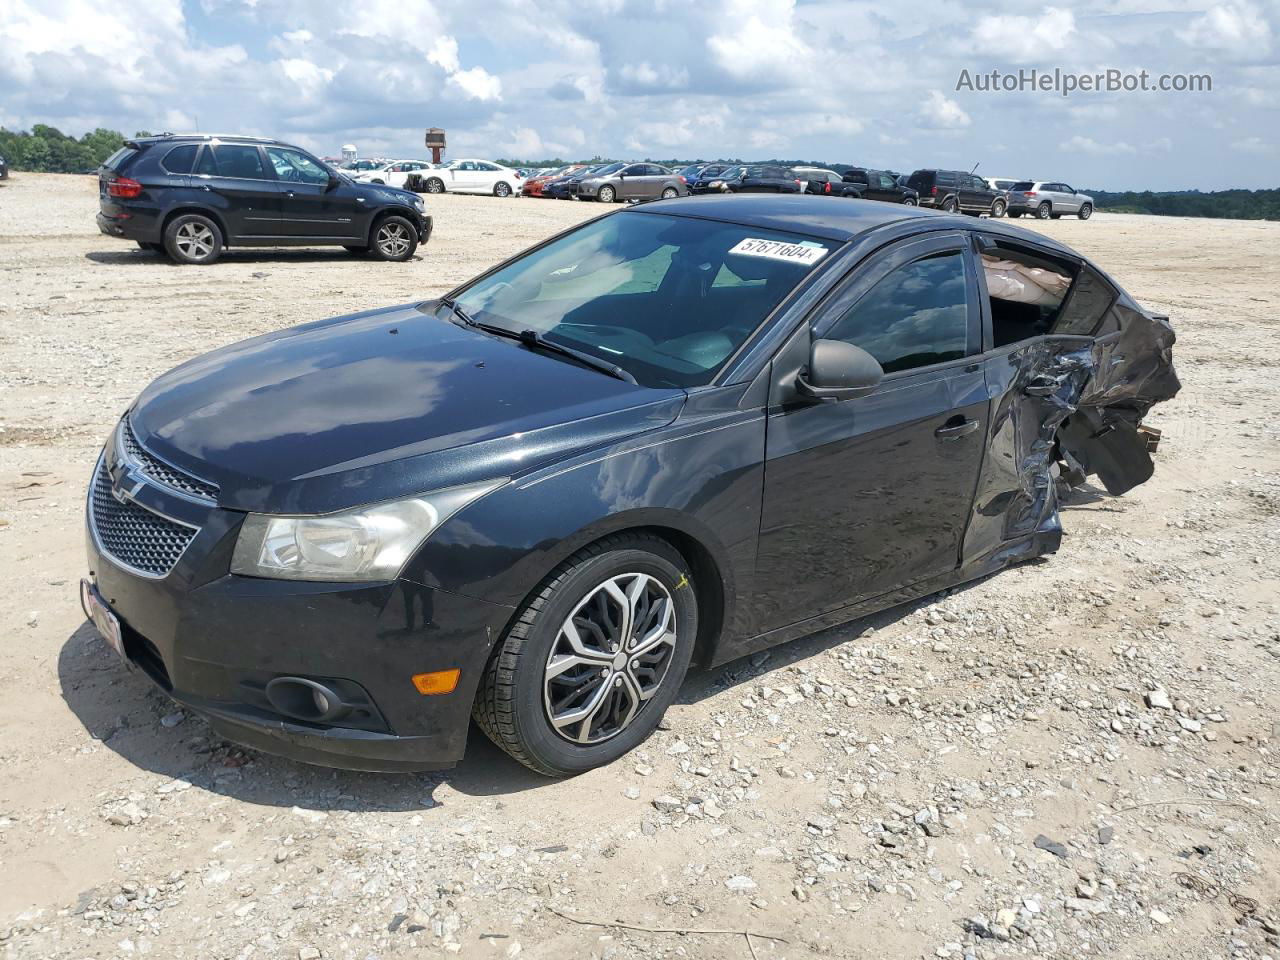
(869, 494)
(1070, 199)
(309, 206)
(242, 187)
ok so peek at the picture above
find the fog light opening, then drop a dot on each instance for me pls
(305, 700)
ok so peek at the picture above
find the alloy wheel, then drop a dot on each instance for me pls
(393, 239)
(194, 240)
(609, 658)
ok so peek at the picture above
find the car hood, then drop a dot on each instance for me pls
(380, 405)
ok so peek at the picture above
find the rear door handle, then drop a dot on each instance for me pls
(956, 431)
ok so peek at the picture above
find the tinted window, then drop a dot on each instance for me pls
(1023, 185)
(1087, 301)
(915, 316)
(633, 289)
(944, 176)
(239, 160)
(294, 166)
(205, 166)
(120, 159)
(180, 159)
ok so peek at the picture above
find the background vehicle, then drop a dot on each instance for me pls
(396, 173)
(353, 168)
(533, 186)
(469, 176)
(713, 177)
(1003, 184)
(821, 180)
(566, 188)
(4, 169)
(634, 181)
(194, 195)
(1047, 199)
(955, 190)
(766, 178)
(881, 185)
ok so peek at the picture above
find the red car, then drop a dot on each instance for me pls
(533, 185)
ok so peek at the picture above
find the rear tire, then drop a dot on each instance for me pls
(1044, 210)
(670, 193)
(394, 240)
(193, 238)
(1085, 212)
(557, 662)
(502, 189)
(998, 208)
(949, 205)
(909, 202)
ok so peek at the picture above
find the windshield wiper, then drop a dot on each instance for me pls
(533, 339)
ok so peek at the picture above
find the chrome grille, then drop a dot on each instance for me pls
(160, 471)
(132, 535)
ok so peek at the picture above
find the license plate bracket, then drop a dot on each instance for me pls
(96, 609)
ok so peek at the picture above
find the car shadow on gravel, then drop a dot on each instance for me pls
(125, 712)
(137, 257)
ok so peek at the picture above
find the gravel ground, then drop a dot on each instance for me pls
(1073, 758)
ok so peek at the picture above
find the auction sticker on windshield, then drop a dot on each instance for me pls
(805, 253)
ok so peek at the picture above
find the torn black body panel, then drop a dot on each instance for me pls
(1073, 402)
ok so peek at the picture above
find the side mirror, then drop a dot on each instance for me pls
(334, 180)
(838, 371)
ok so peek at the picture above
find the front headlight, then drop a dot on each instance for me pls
(369, 543)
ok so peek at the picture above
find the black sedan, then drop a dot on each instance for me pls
(680, 433)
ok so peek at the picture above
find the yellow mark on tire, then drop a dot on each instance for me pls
(684, 581)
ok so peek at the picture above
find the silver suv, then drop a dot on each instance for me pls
(1047, 199)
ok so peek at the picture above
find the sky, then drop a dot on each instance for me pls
(873, 84)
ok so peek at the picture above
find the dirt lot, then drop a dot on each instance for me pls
(877, 790)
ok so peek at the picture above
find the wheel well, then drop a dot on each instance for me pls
(388, 212)
(202, 211)
(707, 581)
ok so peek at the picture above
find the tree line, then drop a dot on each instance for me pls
(45, 149)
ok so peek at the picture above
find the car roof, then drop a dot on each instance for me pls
(176, 137)
(831, 218)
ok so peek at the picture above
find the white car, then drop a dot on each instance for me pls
(1003, 184)
(395, 173)
(474, 176)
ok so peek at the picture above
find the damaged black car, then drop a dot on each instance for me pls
(679, 433)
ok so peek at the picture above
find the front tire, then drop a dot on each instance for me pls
(607, 194)
(1085, 212)
(502, 189)
(394, 240)
(1044, 211)
(435, 185)
(593, 661)
(193, 238)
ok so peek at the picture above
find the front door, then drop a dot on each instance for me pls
(869, 494)
(244, 191)
(309, 206)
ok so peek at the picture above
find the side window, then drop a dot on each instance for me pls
(487, 166)
(915, 316)
(180, 159)
(239, 160)
(294, 166)
(205, 166)
(1025, 292)
(1087, 302)
(887, 181)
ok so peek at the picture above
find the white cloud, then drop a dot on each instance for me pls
(1253, 145)
(1238, 29)
(1079, 144)
(1021, 38)
(660, 77)
(942, 114)
(757, 41)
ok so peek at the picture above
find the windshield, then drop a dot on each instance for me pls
(690, 171)
(607, 169)
(729, 174)
(668, 299)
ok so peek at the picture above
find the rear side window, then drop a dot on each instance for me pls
(180, 159)
(239, 160)
(944, 177)
(1023, 185)
(120, 159)
(915, 316)
(1089, 298)
(205, 166)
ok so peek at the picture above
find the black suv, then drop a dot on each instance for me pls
(881, 185)
(953, 190)
(193, 195)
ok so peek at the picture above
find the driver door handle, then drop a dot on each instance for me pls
(954, 431)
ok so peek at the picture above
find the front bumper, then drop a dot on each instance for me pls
(212, 641)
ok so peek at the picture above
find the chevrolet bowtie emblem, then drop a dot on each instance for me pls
(126, 486)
